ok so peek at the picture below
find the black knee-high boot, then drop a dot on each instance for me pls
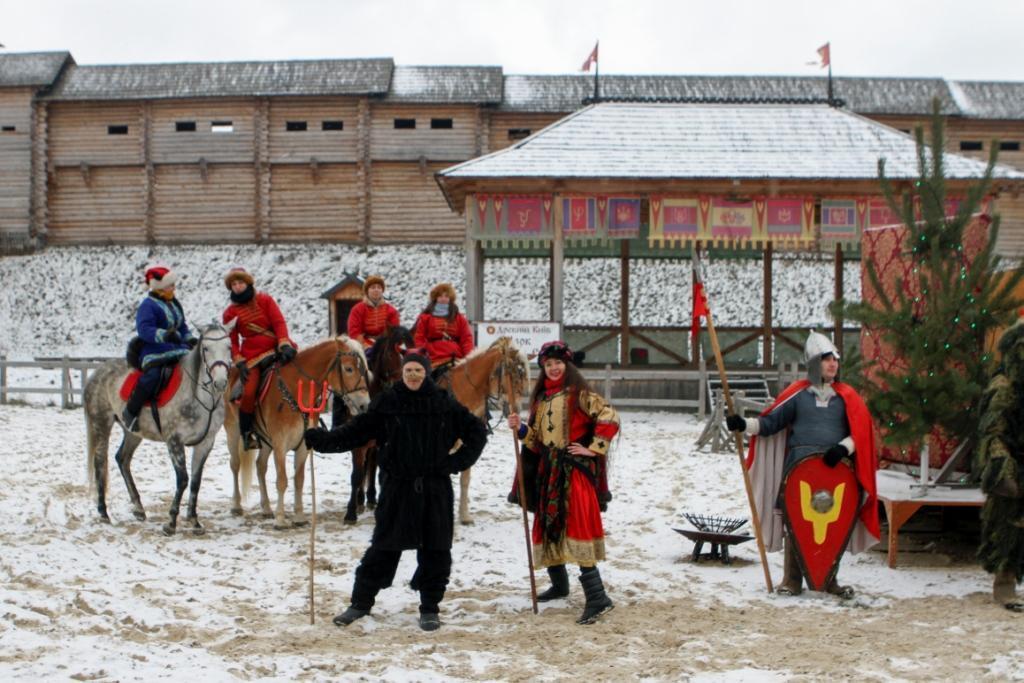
(246, 427)
(559, 584)
(598, 602)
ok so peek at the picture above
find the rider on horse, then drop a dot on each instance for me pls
(441, 330)
(372, 317)
(259, 336)
(160, 324)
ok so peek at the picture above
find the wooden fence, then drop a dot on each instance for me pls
(69, 370)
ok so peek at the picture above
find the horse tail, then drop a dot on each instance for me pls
(247, 460)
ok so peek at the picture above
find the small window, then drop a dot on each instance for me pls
(185, 126)
(222, 127)
(8, 129)
(295, 126)
(518, 133)
(970, 146)
(1009, 146)
(117, 130)
(441, 124)
(332, 125)
(405, 123)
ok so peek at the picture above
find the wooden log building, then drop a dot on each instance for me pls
(344, 150)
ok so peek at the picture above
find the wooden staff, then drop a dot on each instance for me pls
(312, 411)
(514, 405)
(754, 517)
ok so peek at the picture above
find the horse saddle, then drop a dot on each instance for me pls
(263, 367)
(170, 380)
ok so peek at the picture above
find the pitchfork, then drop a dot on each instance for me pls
(312, 409)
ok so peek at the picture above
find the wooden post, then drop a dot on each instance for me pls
(607, 382)
(65, 381)
(624, 303)
(513, 405)
(474, 274)
(837, 335)
(766, 359)
(3, 379)
(702, 388)
(557, 276)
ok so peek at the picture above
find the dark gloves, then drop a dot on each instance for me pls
(172, 337)
(243, 371)
(192, 342)
(287, 353)
(835, 454)
(316, 438)
(735, 423)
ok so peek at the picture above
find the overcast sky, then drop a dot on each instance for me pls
(962, 39)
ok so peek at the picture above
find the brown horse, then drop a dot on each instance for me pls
(386, 369)
(280, 424)
(482, 378)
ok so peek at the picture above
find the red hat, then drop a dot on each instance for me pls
(160, 277)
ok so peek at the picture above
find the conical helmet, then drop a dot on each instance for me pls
(817, 345)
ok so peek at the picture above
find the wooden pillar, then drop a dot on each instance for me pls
(261, 167)
(837, 334)
(557, 276)
(766, 360)
(474, 269)
(149, 174)
(624, 302)
(363, 169)
(40, 170)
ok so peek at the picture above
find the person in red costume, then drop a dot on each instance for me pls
(441, 330)
(259, 336)
(372, 317)
(565, 444)
(817, 415)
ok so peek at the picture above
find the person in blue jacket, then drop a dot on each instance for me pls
(160, 324)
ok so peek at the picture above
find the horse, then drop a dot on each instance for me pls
(280, 424)
(386, 369)
(480, 380)
(191, 418)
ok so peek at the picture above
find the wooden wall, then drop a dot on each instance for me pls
(407, 205)
(217, 205)
(503, 122)
(310, 203)
(102, 205)
(15, 163)
(455, 144)
(314, 142)
(168, 145)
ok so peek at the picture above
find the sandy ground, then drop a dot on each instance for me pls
(86, 601)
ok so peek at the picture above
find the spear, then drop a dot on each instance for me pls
(727, 395)
(311, 409)
(513, 404)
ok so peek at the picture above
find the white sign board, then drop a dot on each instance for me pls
(527, 336)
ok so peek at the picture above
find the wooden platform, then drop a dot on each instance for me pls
(901, 496)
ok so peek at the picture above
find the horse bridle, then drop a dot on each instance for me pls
(206, 384)
(336, 365)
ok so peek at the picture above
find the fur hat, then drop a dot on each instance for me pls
(443, 288)
(416, 356)
(237, 273)
(560, 350)
(371, 281)
(160, 277)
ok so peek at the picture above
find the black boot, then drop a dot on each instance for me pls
(130, 414)
(559, 584)
(430, 621)
(246, 424)
(598, 603)
(350, 615)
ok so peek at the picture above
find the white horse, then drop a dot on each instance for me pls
(191, 418)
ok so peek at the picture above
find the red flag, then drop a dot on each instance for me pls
(591, 59)
(700, 307)
(823, 52)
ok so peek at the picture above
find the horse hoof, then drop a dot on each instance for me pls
(105, 519)
(350, 522)
(267, 515)
(301, 522)
(467, 522)
(237, 512)
(169, 529)
(139, 515)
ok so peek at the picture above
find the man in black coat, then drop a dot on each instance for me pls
(415, 424)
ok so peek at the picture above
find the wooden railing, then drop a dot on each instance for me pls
(68, 368)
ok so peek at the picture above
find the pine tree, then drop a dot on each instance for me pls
(940, 328)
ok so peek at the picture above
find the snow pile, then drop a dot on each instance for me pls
(81, 300)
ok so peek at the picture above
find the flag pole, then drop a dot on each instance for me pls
(597, 71)
(727, 396)
(830, 98)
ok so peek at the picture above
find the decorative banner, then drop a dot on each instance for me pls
(525, 216)
(579, 217)
(511, 217)
(623, 217)
(733, 221)
(785, 219)
(840, 220)
(880, 215)
(674, 219)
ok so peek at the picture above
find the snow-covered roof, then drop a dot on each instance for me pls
(31, 68)
(712, 141)
(455, 84)
(225, 79)
(989, 99)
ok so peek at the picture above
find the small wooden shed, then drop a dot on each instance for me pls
(345, 294)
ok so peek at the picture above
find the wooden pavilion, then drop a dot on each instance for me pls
(794, 176)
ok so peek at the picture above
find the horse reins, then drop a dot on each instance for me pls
(205, 384)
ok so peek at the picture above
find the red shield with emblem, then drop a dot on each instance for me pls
(821, 505)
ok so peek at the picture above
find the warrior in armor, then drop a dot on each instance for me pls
(815, 417)
(999, 460)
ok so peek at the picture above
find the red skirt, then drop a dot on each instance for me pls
(583, 541)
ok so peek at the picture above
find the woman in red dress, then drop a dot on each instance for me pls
(441, 330)
(565, 441)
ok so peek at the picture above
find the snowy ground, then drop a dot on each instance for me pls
(87, 601)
